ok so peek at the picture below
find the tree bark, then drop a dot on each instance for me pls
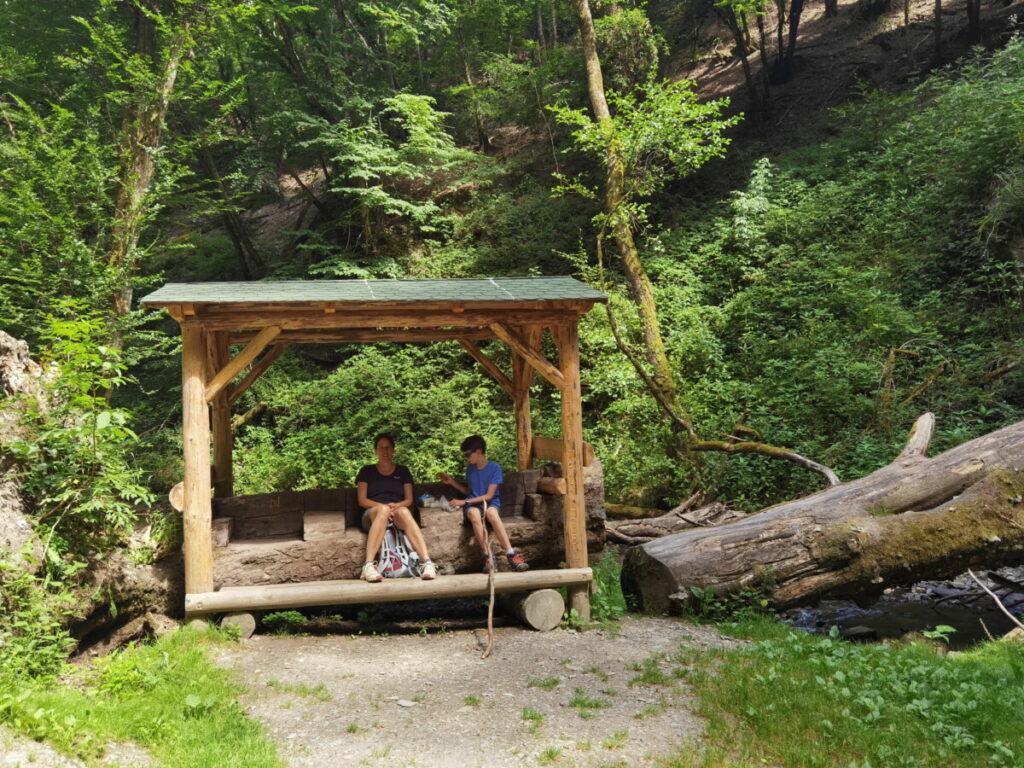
(615, 199)
(915, 518)
(140, 139)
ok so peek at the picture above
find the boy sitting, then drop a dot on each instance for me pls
(481, 487)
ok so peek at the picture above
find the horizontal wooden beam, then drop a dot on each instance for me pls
(372, 335)
(535, 359)
(240, 361)
(488, 365)
(553, 485)
(550, 449)
(295, 320)
(352, 592)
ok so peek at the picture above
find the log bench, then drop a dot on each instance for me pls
(306, 548)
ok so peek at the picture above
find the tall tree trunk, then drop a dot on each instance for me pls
(636, 276)
(657, 375)
(140, 138)
(937, 50)
(245, 250)
(796, 8)
(478, 120)
(737, 27)
(974, 20)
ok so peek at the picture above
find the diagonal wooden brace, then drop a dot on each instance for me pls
(536, 360)
(488, 364)
(240, 361)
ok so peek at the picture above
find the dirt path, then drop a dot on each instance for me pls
(431, 701)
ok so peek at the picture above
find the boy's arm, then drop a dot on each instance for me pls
(459, 486)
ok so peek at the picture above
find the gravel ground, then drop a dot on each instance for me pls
(431, 701)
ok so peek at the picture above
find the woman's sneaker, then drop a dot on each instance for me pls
(491, 563)
(429, 571)
(516, 562)
(371, 574)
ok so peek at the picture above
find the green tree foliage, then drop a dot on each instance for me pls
(74, 449)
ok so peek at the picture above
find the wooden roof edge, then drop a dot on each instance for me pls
(411, 304)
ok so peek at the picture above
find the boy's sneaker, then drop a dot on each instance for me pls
(371, 574)
(429, 572)
(516, 562)
(491, 563)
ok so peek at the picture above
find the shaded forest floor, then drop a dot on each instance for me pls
(838, 56)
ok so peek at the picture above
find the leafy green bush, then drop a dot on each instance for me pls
(607, 603)
(33, 640)
(796, 699)
(74, 449)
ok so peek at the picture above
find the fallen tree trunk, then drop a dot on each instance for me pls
(915, 518)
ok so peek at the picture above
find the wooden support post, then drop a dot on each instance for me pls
(522, 379)
(567, 340)
(197, 512)
(223, 472)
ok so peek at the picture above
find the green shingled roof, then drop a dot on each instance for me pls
(482, 289)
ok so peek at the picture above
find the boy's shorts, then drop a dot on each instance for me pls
(465, 511)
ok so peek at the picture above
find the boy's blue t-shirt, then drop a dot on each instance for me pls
(479, 479)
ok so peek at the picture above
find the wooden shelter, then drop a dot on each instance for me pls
(265, 317)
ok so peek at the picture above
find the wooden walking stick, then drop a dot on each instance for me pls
(493, 563)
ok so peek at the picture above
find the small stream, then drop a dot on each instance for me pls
(958, 603)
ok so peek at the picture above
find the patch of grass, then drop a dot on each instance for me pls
(471, 701)
(532, 716)
(547, 683)
(609, 692)
(318, 692)
(586, 704)
(549, 755)
(284, 623)
(795, 699)
(649, 711)
(650, 671)
(597, 672)
(419, 698)
(166, 697)
(354, 727)
(616, 741)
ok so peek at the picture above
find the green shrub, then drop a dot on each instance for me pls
(797, 699)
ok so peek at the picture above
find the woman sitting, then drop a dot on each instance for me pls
(385, 493)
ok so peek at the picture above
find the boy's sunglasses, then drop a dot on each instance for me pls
(467, 454)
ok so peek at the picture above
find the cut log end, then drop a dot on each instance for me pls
(541, 610)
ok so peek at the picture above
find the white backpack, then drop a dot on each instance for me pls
(397, 558)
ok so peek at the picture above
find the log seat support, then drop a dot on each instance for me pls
(353, 592)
